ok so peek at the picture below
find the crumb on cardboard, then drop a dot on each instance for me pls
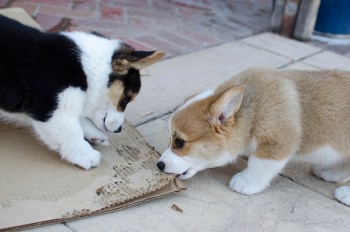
(99, 190)
(147, 114)
(177, 208)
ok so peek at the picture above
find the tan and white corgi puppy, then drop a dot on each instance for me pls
(271, 116)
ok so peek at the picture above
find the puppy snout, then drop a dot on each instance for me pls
(161, 165)
(118, 130)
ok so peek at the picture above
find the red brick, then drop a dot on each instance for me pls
(147, 13)
(157, 43)
(189, 11)
(2, 3)
(136, 44)
(114, 13)
(30, 8)
(98, 25)
(167, 7)
(127, 3)
(66, 12)
(138, 24)
(94, 23)
(47, 21)
(178, 40)
(84, 5)
(194, 6)
(196, 35)
(61, 3)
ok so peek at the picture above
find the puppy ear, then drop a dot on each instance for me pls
(146, 58)
(126, 57)
(225, 107)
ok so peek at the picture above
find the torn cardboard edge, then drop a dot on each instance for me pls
(116, 184)
(127, 175)
(165, 191)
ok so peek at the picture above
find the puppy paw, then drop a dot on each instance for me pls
(245, 184)
(327, 174)
(92, 134)
(85, 160)
(343, 195)
(102, 140)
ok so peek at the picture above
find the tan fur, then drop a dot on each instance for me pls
(285, 111)
(121, 64)
(116, 93)
(126, 61)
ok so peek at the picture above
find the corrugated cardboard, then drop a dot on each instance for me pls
(37, 187)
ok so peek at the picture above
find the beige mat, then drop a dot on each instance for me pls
(37, 187)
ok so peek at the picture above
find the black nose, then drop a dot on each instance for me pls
(161, 165)
(119, 130)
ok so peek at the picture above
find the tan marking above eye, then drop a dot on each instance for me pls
(116, 92)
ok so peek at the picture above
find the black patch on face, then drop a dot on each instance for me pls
(35, 67)
(131, 82)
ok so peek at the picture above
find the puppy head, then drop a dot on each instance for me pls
(201, 133)
(123, 85)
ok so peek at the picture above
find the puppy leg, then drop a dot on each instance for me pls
(257, 176)
(343, 194)
(92, 133)
(64, 133)
(66, 136)
(337, 173)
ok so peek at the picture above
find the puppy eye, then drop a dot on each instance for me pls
(179, 143)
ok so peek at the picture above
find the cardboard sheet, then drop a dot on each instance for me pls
(37, 187)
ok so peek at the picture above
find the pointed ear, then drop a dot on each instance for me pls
(225, 107)
(126, 57)
(146, 58)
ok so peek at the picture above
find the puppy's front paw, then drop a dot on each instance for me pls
(245, 184)
(343, 195)
(85, 160)
(98, 140)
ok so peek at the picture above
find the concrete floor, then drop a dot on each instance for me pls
(295, 201)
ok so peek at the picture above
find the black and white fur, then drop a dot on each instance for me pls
(60, 85)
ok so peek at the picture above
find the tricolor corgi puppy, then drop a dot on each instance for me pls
(68, 86)
(272, 116)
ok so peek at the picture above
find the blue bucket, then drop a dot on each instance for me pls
(333, 17)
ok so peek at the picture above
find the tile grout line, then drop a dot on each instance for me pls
(276, 53)
(137, 124)
(301, 59)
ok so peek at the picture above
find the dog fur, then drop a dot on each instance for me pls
(68, 86)
(271, 116)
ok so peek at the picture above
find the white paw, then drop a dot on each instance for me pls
(343, 194)
(327, 174)
(98, 140)
(245, 184)
(85, 160)
(92, 134)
